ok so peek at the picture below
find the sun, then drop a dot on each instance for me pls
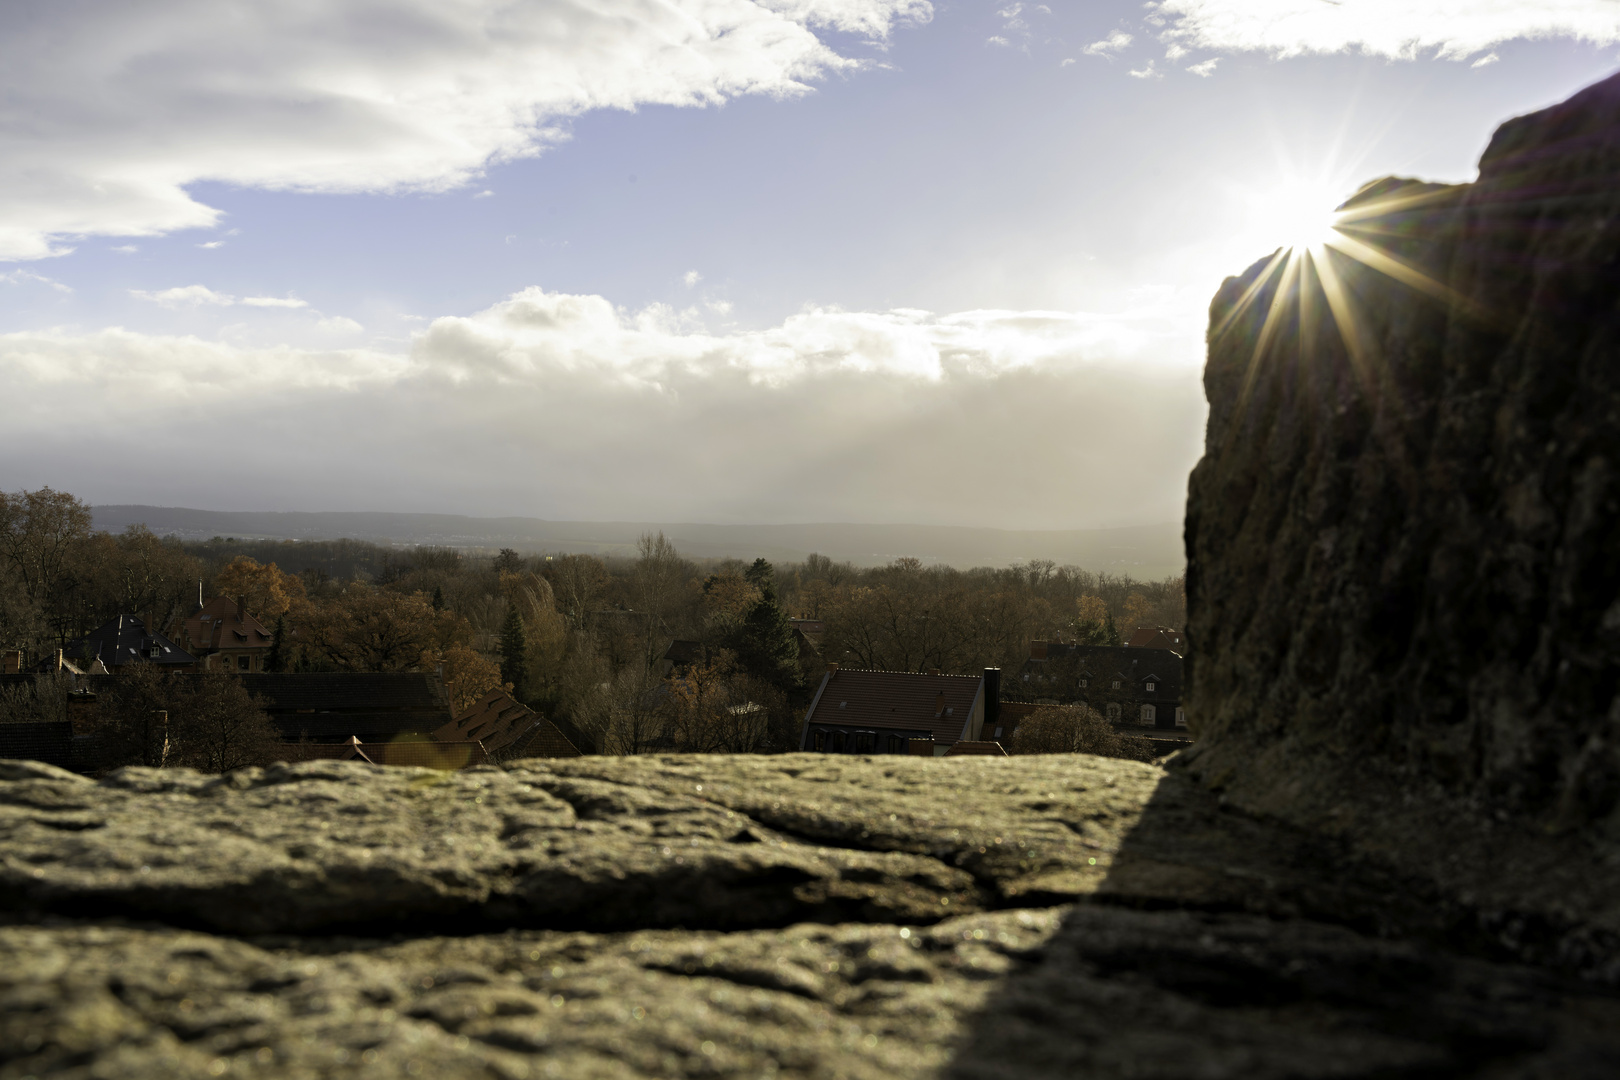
(1300, 215)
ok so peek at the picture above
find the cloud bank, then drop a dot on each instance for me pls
(562, 406)
(1398, 29)
(109, 108)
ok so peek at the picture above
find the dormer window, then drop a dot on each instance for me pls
(1150, 688)
(1116, 684)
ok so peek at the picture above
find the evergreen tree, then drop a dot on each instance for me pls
(514, 650)
(276, 660)
(438, 598)
(764, 642)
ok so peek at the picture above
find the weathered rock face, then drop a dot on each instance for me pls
(794, 916)
(1404, 536)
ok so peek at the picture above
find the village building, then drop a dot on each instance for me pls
(126, 640)
(225, 637)
(857, 711)
(1132, 687)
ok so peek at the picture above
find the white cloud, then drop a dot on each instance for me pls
(28, 277)
(1485, 61)
(1399, 29)
(212, 244)
(125, 249)
(1147, 72)
(338, 324)
(109, 108)
(273, 301)
(1108, 46)
(691, 277)
(1174, 52)
(1067, 61)
(563, 406)
(1205, 69)
(485, 194)
(998, 40)
(185, 296)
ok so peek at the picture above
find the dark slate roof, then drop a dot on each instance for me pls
(1132, 666)
(124, 640)
(331, 706)
(934, 706)
(50, 741)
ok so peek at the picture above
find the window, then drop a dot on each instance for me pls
(1082, 684)
(818, 741)
(838, 741)
(1116, 684)
(1113, 710)
(1026, 676)
(1150, 716)
(1181, 718)
(865, 742)
(241, 663)
(1150, 688)
(899, 744)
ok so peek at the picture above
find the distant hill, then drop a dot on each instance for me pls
(1144, 551)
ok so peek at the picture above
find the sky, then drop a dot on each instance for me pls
(883, 261)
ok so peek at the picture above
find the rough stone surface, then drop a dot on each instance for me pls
(1404, 539)
(781, 916)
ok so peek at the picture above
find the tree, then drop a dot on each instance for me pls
(508, 561)
(1069, 729)
(438, 598)
(576, 581)
(136, 572)
(39, 532)
(365, 628)
(764, 641)
(514, 652)
(276, 659)
(267, 591)
(216, 726)
(468, 676)
(1094, 623)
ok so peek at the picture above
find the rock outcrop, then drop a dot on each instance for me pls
(1404, 538)
(1394, 852)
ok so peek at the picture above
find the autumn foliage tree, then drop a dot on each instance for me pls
(367, 628)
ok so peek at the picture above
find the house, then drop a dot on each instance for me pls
(334, 706)
(507, 729)
(1133, 687)
(126, 640)
(856, 711)
(224, 637)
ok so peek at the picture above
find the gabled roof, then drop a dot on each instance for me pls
(502, 723)
(220, 624)
(1158, 637)
(931, 705)
(125, 640)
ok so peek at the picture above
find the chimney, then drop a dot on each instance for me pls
(13, 661)
(939, 704)
(199, 593)
(992, 697)
(1037, 650)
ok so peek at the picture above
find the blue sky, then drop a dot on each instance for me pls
(716, 260)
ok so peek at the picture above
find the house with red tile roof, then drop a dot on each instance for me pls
(507, 729)
(858, 711)
(224, 637)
